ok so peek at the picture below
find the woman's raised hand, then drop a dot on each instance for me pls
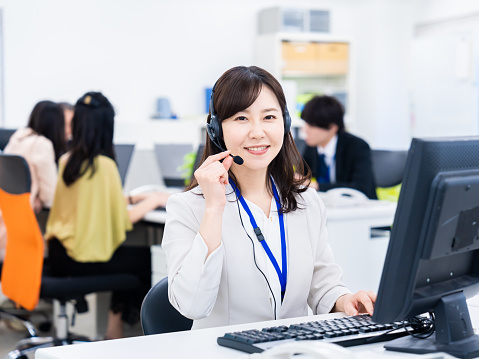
(212, 176)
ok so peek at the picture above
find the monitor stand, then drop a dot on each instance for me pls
(453, 333)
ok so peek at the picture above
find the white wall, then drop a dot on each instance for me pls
(444, 86)
(436, 10)
(382, 40)
(136, 51)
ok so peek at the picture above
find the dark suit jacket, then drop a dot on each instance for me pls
(353, 165)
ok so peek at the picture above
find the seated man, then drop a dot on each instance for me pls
(336, 158)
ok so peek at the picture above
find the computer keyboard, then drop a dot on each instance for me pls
(346, 331)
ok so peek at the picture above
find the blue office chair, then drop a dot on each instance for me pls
(158, 315)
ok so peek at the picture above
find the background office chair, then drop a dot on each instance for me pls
(23, 279)
(158, 315)
(5, 135)
(388, 167)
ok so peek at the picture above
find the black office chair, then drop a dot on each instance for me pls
(24, 279)
(5, 135)
(388, 167)
(158, 315)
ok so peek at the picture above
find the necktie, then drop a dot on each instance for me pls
(323, 170)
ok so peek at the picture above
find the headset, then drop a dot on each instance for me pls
(216, 134)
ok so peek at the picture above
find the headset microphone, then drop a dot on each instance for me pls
(237, 159)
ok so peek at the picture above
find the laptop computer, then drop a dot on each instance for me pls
(170, 158)
(123, 153)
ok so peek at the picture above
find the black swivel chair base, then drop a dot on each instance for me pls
(65, 289)
(62, 336)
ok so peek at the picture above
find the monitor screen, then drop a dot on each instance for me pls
(432, 260)
(123, 153)
(171, 159)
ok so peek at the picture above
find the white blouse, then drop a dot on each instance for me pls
(227, 288)
(271, 231)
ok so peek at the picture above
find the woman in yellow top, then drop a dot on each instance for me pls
(89, 215)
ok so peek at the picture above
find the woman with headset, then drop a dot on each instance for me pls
(248, 242)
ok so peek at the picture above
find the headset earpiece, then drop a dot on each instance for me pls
(287, 121)
(213, 127)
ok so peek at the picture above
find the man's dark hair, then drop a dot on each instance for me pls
(324, 111)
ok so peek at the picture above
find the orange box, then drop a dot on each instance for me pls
(332, 58)
(298, 57)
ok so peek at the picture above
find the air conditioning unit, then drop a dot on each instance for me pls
(279, 19)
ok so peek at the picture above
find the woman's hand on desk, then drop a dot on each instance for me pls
(143, 203)
(357, 303)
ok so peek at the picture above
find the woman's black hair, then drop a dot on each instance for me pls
(92, 132)
(47, 120)
(236, 90)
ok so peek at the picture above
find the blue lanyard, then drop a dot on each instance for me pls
(281, 275)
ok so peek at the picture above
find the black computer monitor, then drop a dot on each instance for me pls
(432, 262)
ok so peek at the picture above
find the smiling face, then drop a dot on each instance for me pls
(256, 133)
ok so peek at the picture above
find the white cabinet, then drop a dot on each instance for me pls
(308, 63)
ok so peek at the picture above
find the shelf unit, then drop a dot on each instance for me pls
(308, 63)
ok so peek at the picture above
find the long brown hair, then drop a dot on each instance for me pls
(236, 90)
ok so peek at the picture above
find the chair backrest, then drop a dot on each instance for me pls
(388, 167)
(123, 154)
(300, 145)
(158, 315)
(170, 158)
(5, 135)
(23, 263)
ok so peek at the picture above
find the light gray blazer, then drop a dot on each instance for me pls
(227, 288)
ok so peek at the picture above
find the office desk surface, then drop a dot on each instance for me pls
(369, 209)
(197, 344)
(158, 217)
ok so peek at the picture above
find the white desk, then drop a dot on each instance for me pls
(360, 255)
(197, 344)
(158, 217)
